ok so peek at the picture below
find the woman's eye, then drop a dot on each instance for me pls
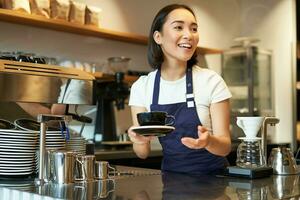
(178, 27)
(195, 29)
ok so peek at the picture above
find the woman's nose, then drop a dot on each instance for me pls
(187, 34)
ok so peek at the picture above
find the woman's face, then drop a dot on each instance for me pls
(179, 36)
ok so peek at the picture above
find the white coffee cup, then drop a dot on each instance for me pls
(250, 125)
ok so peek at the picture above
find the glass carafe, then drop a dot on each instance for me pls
(249, 154)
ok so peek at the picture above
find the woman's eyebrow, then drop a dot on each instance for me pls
(182, 22)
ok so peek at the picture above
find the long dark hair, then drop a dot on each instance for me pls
(155, 54)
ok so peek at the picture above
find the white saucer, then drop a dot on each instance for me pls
(16, 173)
(117, 143)
(153, 130)
(249, 139)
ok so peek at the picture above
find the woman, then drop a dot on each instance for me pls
(197, 97)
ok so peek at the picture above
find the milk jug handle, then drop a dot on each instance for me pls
(114, 170)
(82, 166)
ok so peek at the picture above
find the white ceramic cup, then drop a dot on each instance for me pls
(250, 125)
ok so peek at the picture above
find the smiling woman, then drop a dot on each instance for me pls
(196, 97)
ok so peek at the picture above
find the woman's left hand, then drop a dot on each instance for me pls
(201, 142)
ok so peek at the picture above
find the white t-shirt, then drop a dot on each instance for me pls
(208, 87)
(77, 91)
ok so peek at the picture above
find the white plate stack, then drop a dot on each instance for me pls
(56, 139)
(17, 152)
(76, 143)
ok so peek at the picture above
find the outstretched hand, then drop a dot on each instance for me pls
(139, 139)
(201, 142)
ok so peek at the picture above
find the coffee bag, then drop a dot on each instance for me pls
(92, 15)
(77, 12)
(19, 5)
(60, 9)
(40, 7)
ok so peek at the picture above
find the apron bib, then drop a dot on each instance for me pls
(176, 156)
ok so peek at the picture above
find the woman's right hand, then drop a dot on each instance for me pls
(139, 139)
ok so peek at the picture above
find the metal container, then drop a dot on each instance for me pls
(32, 82)
(102, 170)
(85, 168)
(284, 187)
(103, 188)
(282, 161)
(48, 163)
(63, 167)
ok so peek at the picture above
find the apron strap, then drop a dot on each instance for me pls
(189, 88)
(156, 87)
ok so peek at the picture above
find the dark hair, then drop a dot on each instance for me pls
(155, 54)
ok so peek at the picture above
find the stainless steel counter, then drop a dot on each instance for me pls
(104, 154)
(146, 184)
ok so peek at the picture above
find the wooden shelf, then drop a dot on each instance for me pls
(102, 77)
(65, 26)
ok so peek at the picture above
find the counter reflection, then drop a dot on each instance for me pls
(184, 186)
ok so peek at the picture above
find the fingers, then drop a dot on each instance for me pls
(201, 128)
(190, 142)
(139, 139)
(131, 133)
(198, 143)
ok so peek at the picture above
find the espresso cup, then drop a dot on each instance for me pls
(155, 118)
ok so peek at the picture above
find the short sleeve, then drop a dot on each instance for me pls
(219, 90)
(137, 93)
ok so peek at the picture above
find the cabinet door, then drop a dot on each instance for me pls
(235, 72)
(262, 89)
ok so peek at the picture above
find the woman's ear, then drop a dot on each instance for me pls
(157, 37)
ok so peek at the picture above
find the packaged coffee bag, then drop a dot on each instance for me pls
(40, 7)
(20, 5)
(60, 9)
(77, 12)
(92, 15)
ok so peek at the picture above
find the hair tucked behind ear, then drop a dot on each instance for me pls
(155, 54)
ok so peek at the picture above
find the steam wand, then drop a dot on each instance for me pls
(43, 119)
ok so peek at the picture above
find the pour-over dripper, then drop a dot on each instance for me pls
(250, 125)
(249, 152)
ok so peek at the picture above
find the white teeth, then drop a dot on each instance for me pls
(185, 46)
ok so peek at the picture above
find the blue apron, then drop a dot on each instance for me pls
(176, 156)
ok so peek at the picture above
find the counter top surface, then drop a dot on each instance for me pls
(146, 184)
(105, 154)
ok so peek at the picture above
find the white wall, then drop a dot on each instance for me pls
(219, 22)
(273, 21)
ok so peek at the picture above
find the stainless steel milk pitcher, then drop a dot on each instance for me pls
(63, 167)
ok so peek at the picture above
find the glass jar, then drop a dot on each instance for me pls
(249, 154)
(118, 64)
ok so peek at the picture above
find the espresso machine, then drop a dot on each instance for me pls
(28, 82)
(109, 94)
